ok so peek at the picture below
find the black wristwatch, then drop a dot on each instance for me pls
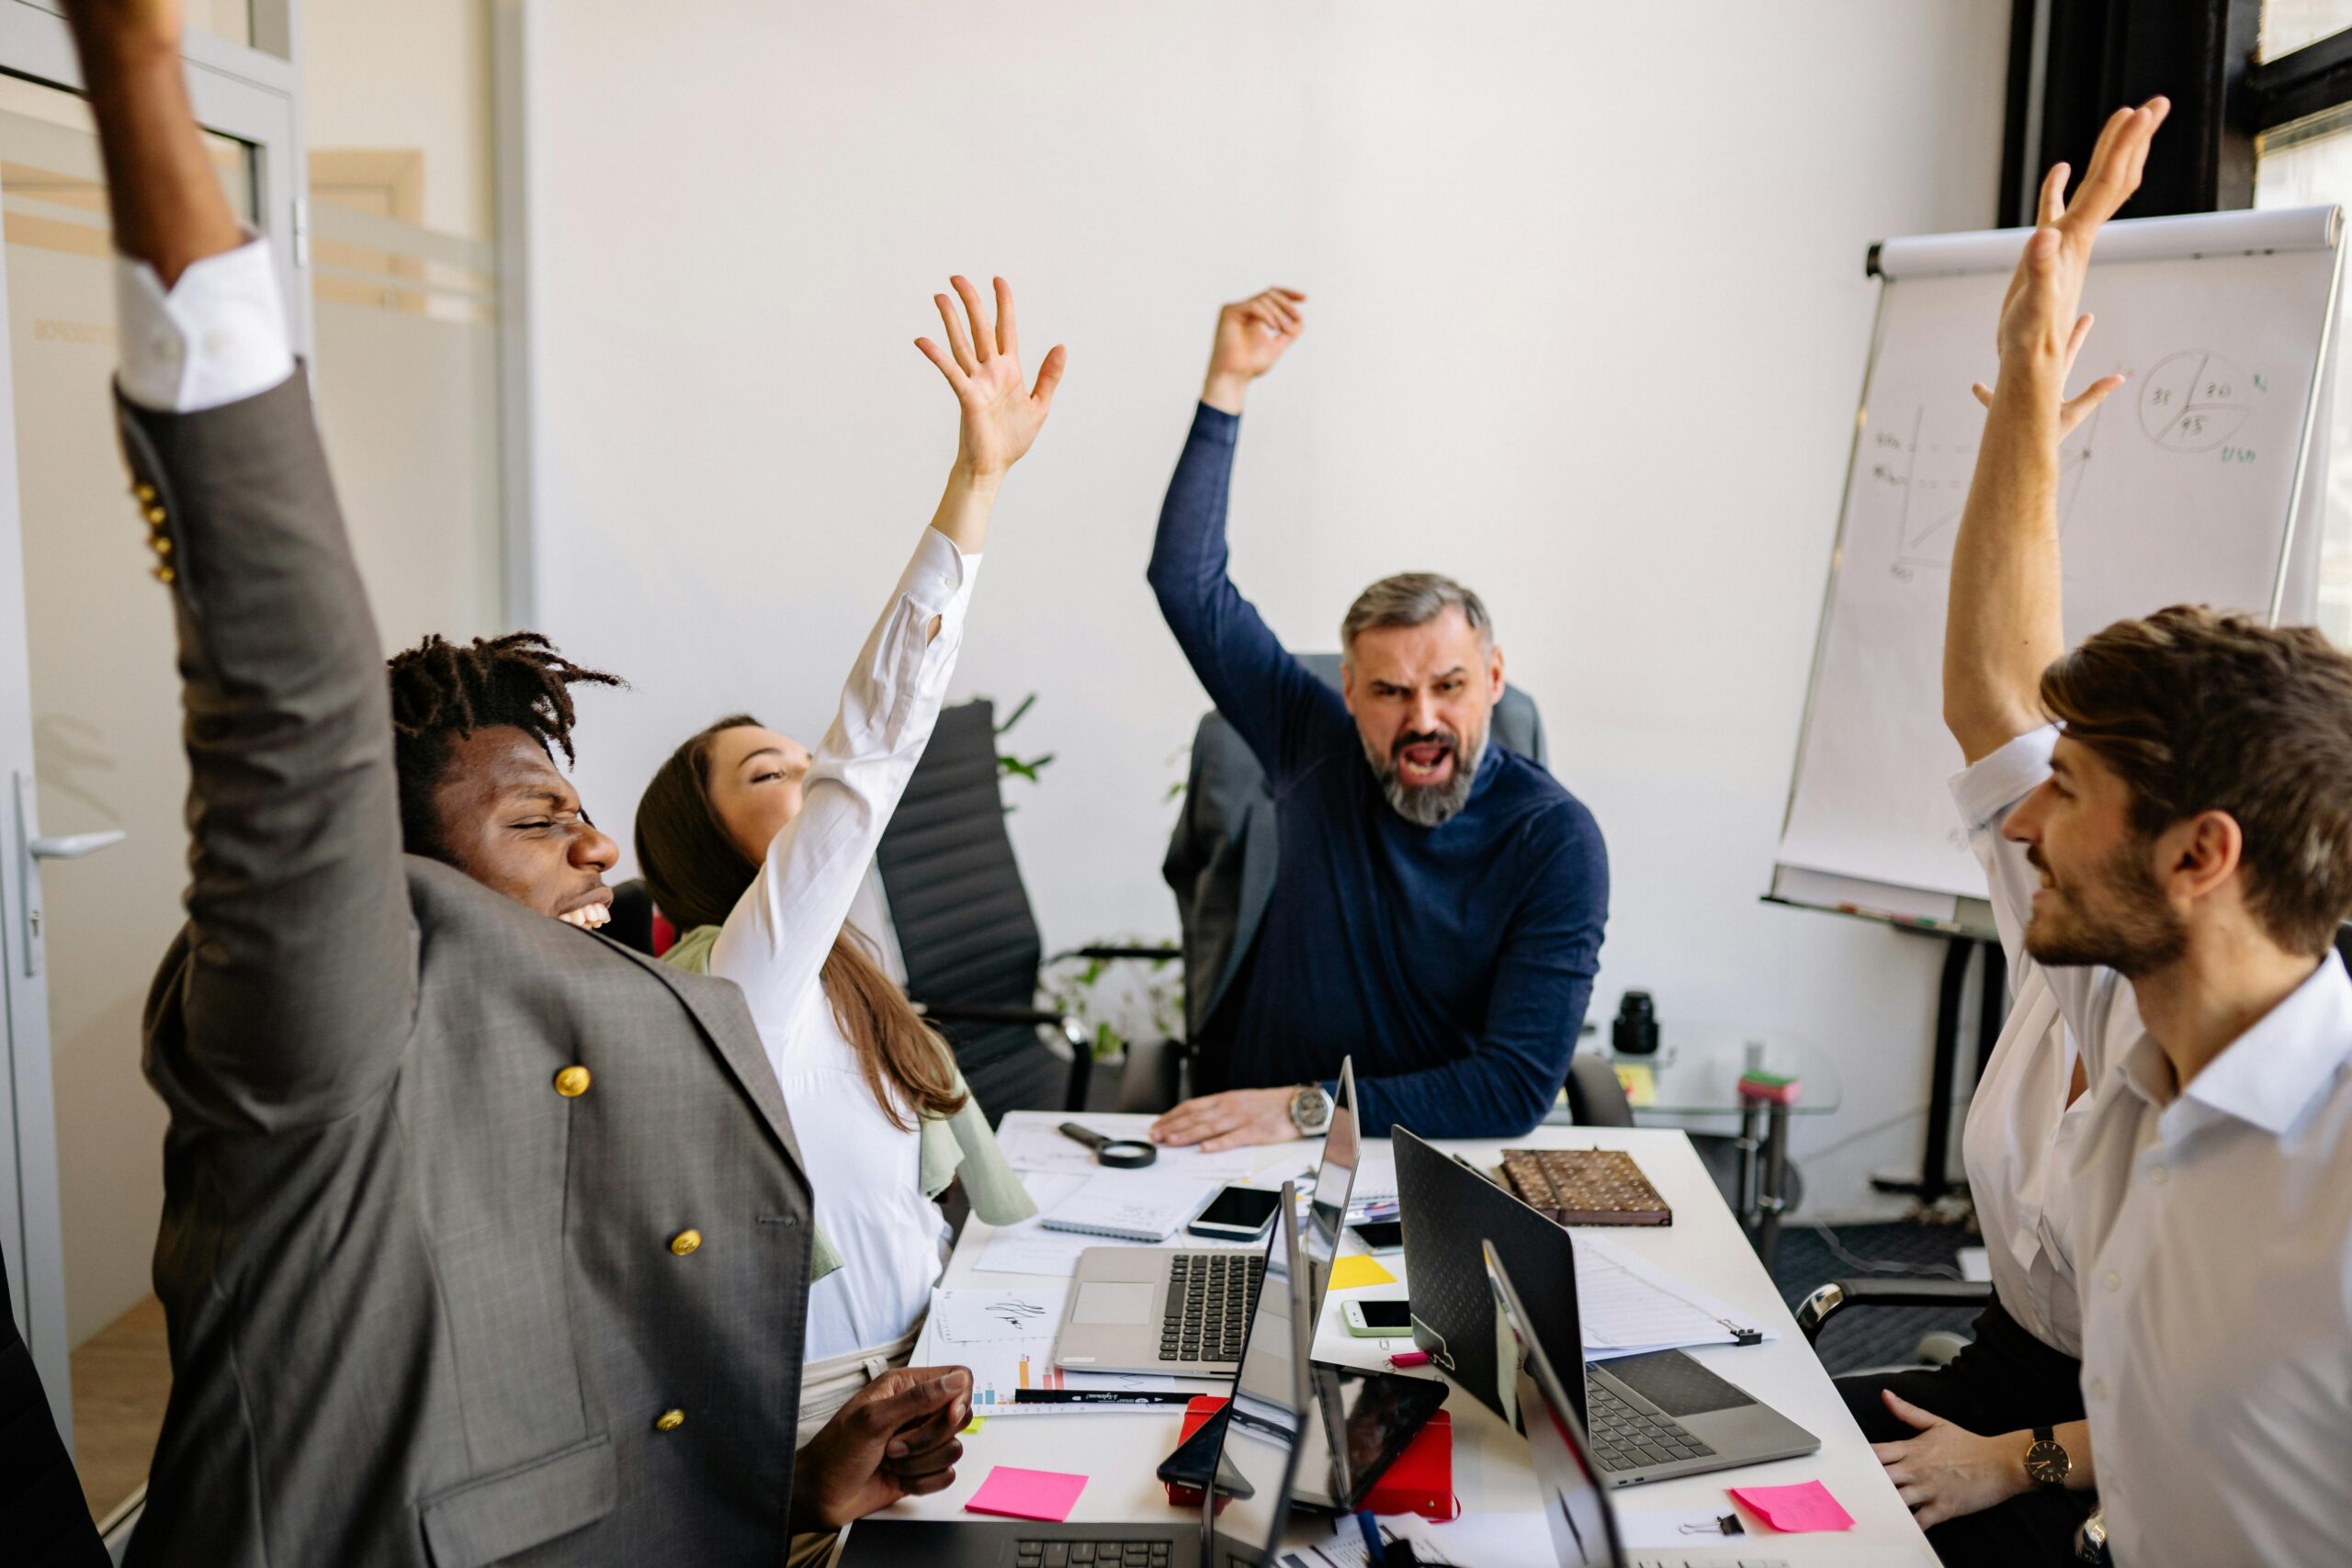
(2047, 1463)
(1310, 1110)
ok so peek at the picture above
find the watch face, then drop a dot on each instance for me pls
(2047, 1463)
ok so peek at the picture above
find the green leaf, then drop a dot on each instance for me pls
(1014, 717)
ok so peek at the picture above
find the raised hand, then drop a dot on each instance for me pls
(1251, 334)
(1002, 416)
(2041, 332)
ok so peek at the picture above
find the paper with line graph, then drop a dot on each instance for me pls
(1005, 1335)
(1627, 1306)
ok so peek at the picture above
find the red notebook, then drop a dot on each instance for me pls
(1420, 1481)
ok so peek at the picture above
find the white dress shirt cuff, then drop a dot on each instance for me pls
(1987, 788)
(939, 577)
(217, 336)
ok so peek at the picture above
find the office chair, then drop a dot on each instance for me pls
(964, 931)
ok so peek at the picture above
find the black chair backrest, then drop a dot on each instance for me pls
(962, 914)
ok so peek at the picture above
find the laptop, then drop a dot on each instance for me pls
(1577, 1505)
(1650, 1416)
(1182, 1313)
(1242, 1524)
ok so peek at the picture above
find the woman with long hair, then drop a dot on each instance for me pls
(756, 848)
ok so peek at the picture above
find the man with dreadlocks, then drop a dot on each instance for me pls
(484, 1239)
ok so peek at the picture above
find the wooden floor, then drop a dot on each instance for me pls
(120, 1379)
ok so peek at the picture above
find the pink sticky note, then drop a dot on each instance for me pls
(1808, 1507)
(1047, 1495)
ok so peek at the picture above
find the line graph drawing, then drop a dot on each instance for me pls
(2194, 401)
(1931, 473)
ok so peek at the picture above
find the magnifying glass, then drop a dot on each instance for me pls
(1119, 1154)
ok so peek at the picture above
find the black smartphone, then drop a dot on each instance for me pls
(1189, 1465)
(1238, 1213)
(1380, 1235)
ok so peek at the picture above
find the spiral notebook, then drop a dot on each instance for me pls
(1129, 1206)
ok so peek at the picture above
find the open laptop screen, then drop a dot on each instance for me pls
(1335, 1177)
(1575, 1505)
(1262, 1439)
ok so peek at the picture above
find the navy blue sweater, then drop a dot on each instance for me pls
(1454, 962)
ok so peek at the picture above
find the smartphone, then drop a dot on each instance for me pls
(1377, 1319)
(1381, 1236)
(1238, 1213)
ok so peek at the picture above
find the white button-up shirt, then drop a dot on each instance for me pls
(2212, 1229)
(866, 1173)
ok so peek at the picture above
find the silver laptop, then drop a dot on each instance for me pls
(1240, 1524)
(1184, 1314)
(1577, 1505)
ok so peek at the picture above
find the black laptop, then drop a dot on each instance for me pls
(1650, 1416)
(1240, 1525)
(1575, 1505)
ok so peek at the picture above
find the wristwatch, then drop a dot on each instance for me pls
(1310, 1110)
(2046, 1464)
(2090, 1541)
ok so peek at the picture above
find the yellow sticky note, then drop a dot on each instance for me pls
(973, 1424)
(1639, 1080)
(1355, 1269)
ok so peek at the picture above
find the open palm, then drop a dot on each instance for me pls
(1001, 415)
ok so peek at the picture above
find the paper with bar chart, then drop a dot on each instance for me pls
(1005, 1335)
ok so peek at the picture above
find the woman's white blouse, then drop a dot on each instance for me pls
(865, 1171)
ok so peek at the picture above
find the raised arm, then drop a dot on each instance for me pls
(774, 941)
(1254, 683)
(2003, 625)
(299, 977)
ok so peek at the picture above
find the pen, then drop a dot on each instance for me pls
(1096, 1396)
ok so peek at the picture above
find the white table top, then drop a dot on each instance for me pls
(1119, 1450)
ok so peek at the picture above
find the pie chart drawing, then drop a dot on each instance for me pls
(2194, 401)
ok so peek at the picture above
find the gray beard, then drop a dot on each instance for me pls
(1430, 805)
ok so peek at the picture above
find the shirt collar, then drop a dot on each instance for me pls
(2267, 1076)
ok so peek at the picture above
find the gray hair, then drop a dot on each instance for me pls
(1413, 599)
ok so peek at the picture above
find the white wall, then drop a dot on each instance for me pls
(1588, 323)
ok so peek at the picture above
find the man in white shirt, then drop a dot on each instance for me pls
(2167, 809)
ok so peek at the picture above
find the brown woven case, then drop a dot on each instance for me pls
(1585, 1187)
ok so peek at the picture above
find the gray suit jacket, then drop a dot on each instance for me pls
(425, 1308)
(1223, 855)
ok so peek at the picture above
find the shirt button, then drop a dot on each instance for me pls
(216, 342)
(685, 1242)
(168, 350)
(669, 1420)
(2098, 1388)
(572, 1082)
(2114, 1282)
(2156, 1174)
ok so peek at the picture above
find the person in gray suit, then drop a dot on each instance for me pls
(485, 1240)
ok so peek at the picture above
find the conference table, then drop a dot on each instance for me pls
(1118, 1451)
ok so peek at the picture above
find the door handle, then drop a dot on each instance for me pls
(36, 848)
(74, 846)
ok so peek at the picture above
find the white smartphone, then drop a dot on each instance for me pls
(1377, 1320)
(1238, 1213)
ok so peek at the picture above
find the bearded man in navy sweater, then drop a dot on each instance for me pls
(1439, 908)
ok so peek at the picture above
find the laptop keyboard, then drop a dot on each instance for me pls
(1627, 1437)
(1210, 1297)
(1093, 1554)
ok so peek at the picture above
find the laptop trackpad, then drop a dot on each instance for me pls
(1114, 1303)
